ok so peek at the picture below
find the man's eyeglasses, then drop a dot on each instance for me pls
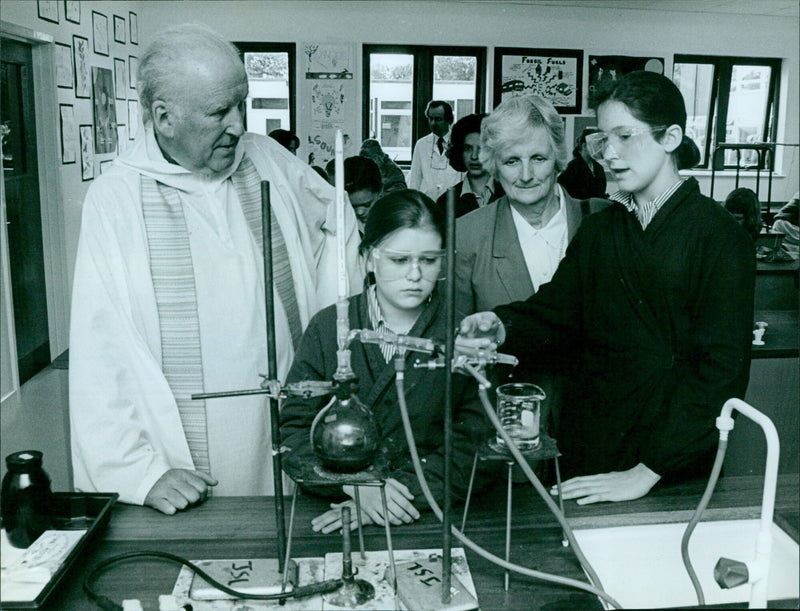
(622, 139)
(396, 264)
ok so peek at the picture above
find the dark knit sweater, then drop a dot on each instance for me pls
(316, 360)
(661, 320)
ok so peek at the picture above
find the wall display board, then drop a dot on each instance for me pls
(105, 111)
(72, 11)
(69, 134)
(80, 50)
(63, 58)
(554, 74)
(87, 152)
(100, 33)
(605, 69)
(329, 86)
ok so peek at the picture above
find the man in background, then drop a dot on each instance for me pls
(431, 172)
(168, 295)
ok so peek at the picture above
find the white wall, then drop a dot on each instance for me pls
(634, 31)
(35, 415)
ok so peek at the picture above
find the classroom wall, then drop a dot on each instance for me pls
(620, 31)
(35, 416)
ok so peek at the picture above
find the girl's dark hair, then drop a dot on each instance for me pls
(359, 173)
(471, 124)
(745, 202)
(285, 137)
(653, 99)
(401, 209)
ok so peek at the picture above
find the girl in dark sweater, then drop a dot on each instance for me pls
(402, 250)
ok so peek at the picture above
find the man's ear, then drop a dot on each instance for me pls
(672, 138)
(163, 118)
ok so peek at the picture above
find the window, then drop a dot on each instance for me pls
(270, 75)
(403, 78)
(731, 100)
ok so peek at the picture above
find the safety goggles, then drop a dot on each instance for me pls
(396, 264)
(624, 140)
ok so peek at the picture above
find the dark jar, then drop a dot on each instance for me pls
(25, 499)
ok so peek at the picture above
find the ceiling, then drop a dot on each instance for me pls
(775, 8)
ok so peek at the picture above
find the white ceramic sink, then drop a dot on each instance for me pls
(641, 566)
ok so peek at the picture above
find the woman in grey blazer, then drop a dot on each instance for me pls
(508, 249)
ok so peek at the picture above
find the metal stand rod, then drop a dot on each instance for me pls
(450, 326)
(274, 412)
(388, 530)
(469, 491)
(289, 541)
(564, 539)
(360, 525)
(508, 524)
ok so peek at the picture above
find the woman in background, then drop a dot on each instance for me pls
(402, 251)
(478, 188)
(511, 247)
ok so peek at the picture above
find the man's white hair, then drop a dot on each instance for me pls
(159, 67)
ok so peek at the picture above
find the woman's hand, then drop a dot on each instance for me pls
(481, 329)
(615, 486)
(398, 504)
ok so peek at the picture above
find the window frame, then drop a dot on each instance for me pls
(422, 82)
(277, 47)
(721, 81)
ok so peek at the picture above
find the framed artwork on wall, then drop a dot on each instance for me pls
(80, 52)
(48, 10)
(122, 139)
(133, 23)
(65, 78)
(105, 111)
(120, 79)
(119, 29)
(69, 135)
(87, 152)
(554, 74)
(133, 119)
(100, 33)
(133, 67)
(605, 69)
(72, 10)
(105, 164)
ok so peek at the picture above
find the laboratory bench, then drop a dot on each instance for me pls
(244, 527)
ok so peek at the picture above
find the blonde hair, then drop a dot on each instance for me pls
(511, 123)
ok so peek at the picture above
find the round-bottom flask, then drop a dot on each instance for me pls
(344, 435)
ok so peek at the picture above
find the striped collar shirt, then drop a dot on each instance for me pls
(646, 211)
(483, 196)
(377, 322)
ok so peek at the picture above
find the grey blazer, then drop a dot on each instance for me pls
(490, 266)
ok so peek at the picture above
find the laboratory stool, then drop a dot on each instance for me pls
(490, 451)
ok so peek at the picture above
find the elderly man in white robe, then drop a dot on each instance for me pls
(168, 295)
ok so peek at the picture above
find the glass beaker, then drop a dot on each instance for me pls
(519, 408)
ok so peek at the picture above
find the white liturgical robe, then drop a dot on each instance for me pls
(125, 425)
